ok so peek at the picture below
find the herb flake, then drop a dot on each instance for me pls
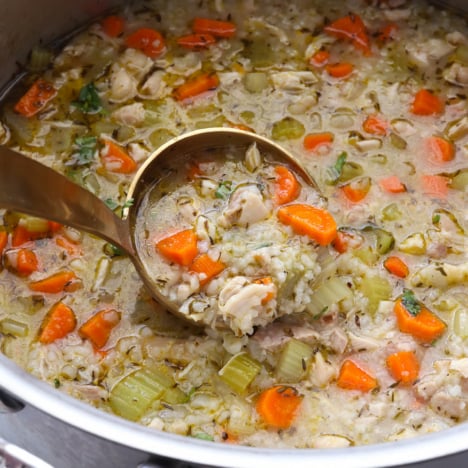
(410, 302)
(224, 190)
(334, 172)
(88, 100)
(86, 150)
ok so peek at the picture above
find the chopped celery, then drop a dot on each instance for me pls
(255, 82)
(397, 141)
(174, 396)
(39, 58)
(293, 360)
(215, 122)
(159, 137)
(391, 212)
(33, 224)
(330, 292)
(12, 327)
(460, 180)
(240, 371)
(366, 255)
(375, 289)
(350, 170)
(460, 322)
(414, 244)
(287, 129)
(384, 240)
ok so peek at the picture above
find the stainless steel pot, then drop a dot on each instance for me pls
(54, 429)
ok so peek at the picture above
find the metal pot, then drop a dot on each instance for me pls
(55, 429)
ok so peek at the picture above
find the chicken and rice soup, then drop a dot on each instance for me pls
(347, 318)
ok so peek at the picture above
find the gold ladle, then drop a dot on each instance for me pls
(32, 188)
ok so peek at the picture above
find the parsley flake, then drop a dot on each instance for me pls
(224, 190)
(86, 147)
(334, 172)
(88, 100)
(410, 302)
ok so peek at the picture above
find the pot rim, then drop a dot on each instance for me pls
(39, 394)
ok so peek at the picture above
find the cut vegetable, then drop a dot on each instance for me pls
(320, 58)
(352, 29)
(59, 282)
(357, 190)
(292, 363)
(240, 371)
(392, 184)
(98, 328)
(375, 125)
(375, 289)
(287, 187)
(196, 41)
(180, 248)
(113, 25)
(207, 268)
(330, 292)
(26, 262)
(58, 323)
(403, 366)
(339, 70)
(396, 266)
(148, 40)
(196, 86)
(436, 186)
(427, 103)
(214, 27)
(317, 141)
(36, 98)
(352, 377)
(115, 159)
(440, 150)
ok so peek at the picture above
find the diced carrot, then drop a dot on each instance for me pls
(392, 184)
(388, 32)
(420, 322)
(58, 323)
(26, 262)
(3, 241)
(356, 190)
(54, 226)
(287, 187)
(316, 141)
(440, 150)
(214, 27)
(196, 41)
(241, 126)
(113, 25)
(36, 98)
(435, 185)
(396, 266)
(115, 159)
(278, 405)
(59, 282)
(206, 266)
(72, 249)
(341, 242)
(320, 58)
(266, 281)
(340, 70)
(21, 235)
(403, 366)
(180, 248)
(148, 40)
(196, 86)
(310, 221)
(426, 103)
(352, 377)
(375, 125)
(353, 29)
(98, 328)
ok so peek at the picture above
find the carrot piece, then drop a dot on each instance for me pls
(61, 281)
(54, 226)
(72, 249)
(341, 242)
(26, 262)
(98, 328)
(287, 187)
(340, 70)
(241, 126)
(115, 159)
(388, 32)
(403, 366)
(320, 58)
(396, 266)
(180, 248)
(206, 266)
(21, 235)
(440, 150)
(435, 185)
(416, 319)
(375, 125)
(113, 25)
(310, 221)
(426, 103)
(3, 241)
(196, 41)
(266, 281)
(148, 40)
(36, 98)
(58, 323)
(352, 377)
(392, 184)
(356, 190)
(278, 405)
(353, 29)
(316, 141)
(214, 27)
(196, 86)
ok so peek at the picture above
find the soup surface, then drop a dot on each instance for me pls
(371, 337)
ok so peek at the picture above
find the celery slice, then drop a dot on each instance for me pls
(332, 291)
(12, 327)
(375, 289)
(293, 360)
(460, 322)
(240, 371)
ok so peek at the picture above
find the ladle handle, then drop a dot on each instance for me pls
(32, 188)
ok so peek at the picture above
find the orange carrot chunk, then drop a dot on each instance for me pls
(58, 323)
(316, 141)
(278, 405)
(416, 319)
(356, 190)
(113, 25)
(403, 367)
(352, 29)
(115, 159)
(214, 27)
(21, 235)
(396, 266)
(440, 150)
(26, 262)
(36, 98)
(59, 282)
(73, 249)
(3, 241)
(341, 243)
(392, 184)
(435, 185)
(287, 187)
(375, 125)
(180, 248)
(388, 32)
(426, 103)
(266, 281)
(320, 58)
(196, 86)
(340, 70)
(196, 41)
(206, 266)
(148, 40)
(99, 327)
(352, 377)
(307, 220)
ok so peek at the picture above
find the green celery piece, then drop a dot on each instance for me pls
(292, 361)
(375, 289)
(240, 371)
(330, 292)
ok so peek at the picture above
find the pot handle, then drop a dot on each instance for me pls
(16, 457)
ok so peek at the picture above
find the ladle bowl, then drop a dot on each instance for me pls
(30, 187)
